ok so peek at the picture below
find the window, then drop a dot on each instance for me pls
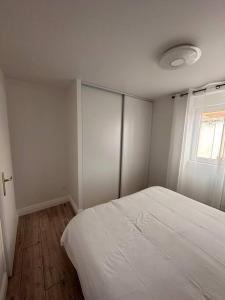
(211, 142)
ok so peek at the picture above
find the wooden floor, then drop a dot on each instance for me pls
(42, 269)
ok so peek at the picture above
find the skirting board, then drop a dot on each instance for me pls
(74, 205)
(3, 288)
(43, 205)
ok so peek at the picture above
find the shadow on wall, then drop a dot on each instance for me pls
(160, 140)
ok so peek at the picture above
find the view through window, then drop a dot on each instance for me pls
(211, 141)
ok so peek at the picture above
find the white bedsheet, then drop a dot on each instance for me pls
(152, 245)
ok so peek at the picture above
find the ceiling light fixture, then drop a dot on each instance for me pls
(180, 56)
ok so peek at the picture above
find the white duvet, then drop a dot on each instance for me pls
(152, 245)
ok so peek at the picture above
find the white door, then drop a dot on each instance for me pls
(101, 126)
(136, 145)
(8, 213)
(3, 272)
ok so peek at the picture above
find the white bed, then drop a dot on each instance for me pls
(152, 245)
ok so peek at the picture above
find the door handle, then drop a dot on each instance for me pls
(4, 180)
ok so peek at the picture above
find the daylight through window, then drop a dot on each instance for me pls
(211, 142)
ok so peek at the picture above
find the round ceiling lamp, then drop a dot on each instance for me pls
(180, 56)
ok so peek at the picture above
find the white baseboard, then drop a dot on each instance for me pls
(3, 288)
(74, 204)
(43, 205)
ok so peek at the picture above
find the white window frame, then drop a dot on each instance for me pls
(196, 134)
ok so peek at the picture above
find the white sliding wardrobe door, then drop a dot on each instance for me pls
(101, 115)
(136, 145)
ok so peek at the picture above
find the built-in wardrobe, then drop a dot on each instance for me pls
(114, 133)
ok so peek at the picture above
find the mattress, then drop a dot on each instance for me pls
(152, 245)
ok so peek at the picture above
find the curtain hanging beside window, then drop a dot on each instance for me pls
(200, 162)
(177, 131)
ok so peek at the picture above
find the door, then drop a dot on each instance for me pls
(3, 272)
(8, 213)
(136, 145)
(101, 134)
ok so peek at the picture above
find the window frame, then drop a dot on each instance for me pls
(196, 135)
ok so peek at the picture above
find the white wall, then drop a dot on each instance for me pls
(160, 140)
(38, 129)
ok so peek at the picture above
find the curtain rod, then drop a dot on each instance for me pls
(90, 84)
(218, 86)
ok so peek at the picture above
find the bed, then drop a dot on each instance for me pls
(152, 245)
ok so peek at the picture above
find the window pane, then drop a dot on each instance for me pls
(217, 139)
(211, 135)
(222, 151)
(205, 140)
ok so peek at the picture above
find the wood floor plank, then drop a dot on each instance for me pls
(32, 229)
(55, 268)
(32, 285)
(17, 264)
(68, 213)
(51, 249)
(58, 219)
(44, 220)
(32, 257)
(63, 291)
(13, 291)
(42, 270)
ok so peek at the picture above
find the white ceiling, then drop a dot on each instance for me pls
(114, 43)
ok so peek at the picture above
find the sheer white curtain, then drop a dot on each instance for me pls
(200, 178)
(177, 130)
